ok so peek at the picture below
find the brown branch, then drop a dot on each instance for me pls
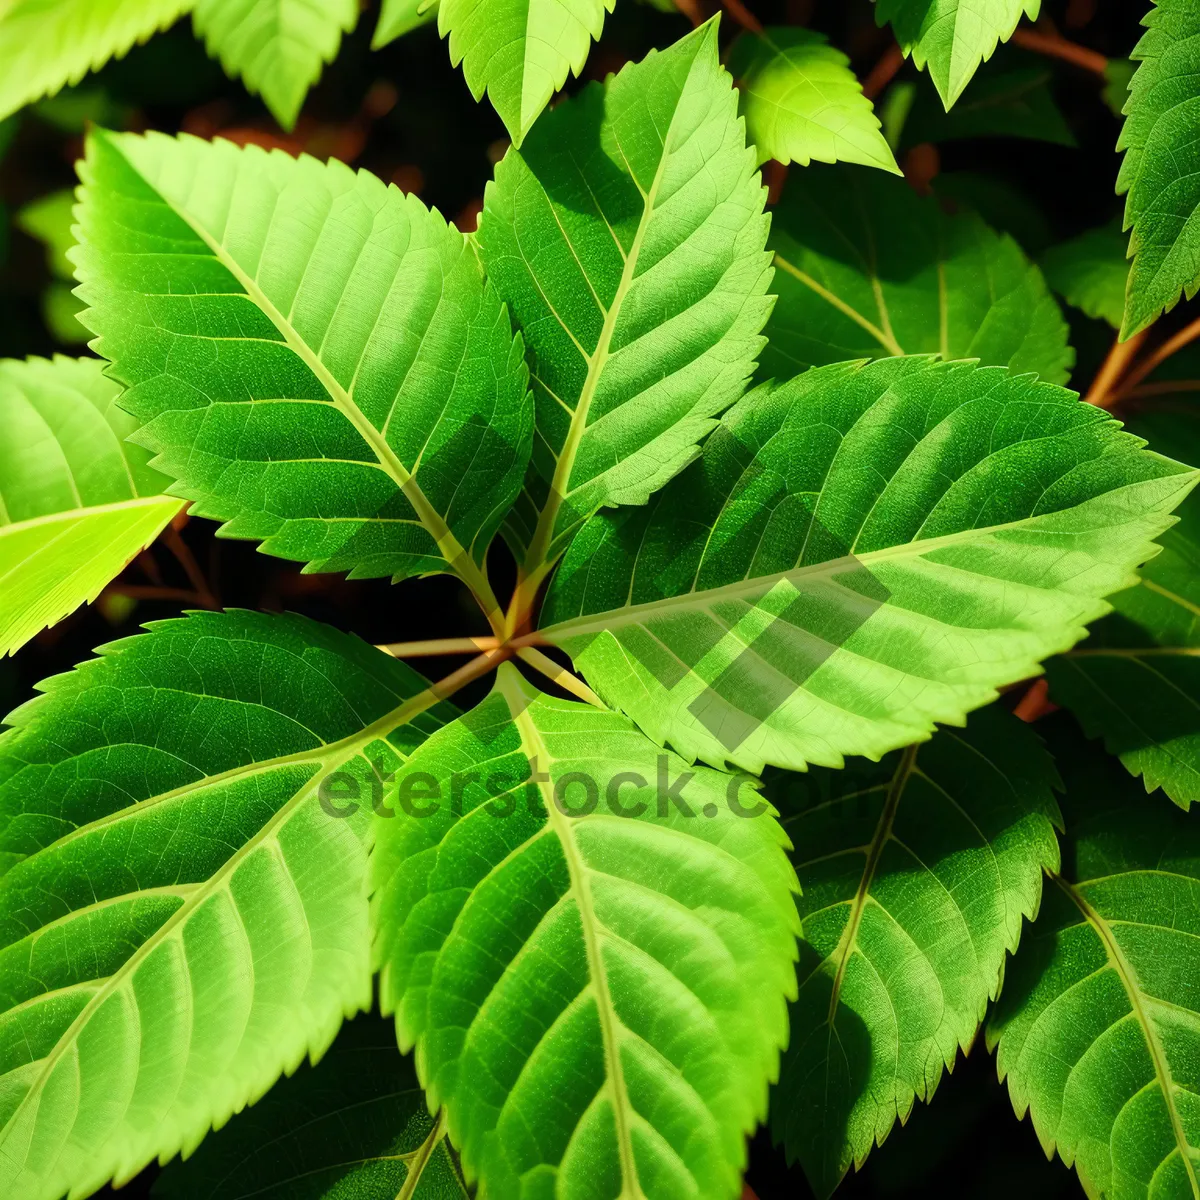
(196, 578)
(1035, 703)
(1167, 387)
(1056, 46)
(743, 16)
(1103, 392)
(882, 73)
(1187, 335)
(692, 10)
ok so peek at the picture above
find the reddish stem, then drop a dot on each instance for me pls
(883, 71)
(1056, 46)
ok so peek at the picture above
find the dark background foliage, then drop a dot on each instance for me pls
(406, 115)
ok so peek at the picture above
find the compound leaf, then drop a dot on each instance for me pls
(278, 47)
(1098, 1025)
(866, 267)
(596, 993)
(627, 236)
(1136, 680)
(1160, 173)
(355, 1125)
(860, 553)
(47, 44)
(520, 51)
(182, 918)
(915, 875)
(801, 101)
(77, 501)
(950, 38)
(1091, 272)
(313, 355)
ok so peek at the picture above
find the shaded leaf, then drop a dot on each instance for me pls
(1006, 208)
(1090, 272)
(351, 1128)
(627, 236)
(866, 267)
(860, 553)
(915, 875)
(1098, 1022)
(1136, 680)
(801, 101)
(595, 990)
(182, 918)
(398, 17)
(77, 501)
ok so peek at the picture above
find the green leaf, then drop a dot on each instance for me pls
(314, 356)
(1006, 208)
(627, 236)
(354, 1126)
(1097, 1024)
(278, 47)
(951, 38)
(520, 51)
(860, 553)
(1013, 102)
(1118, 75)
(915, 874)
(181, 921)
(1160, 173)
(801, 101)
(77, 501)
(866, 267)
(398, 17)
(596, 991)
(49, 219)
(47, 44)
(1136, 680)
(1090, 272)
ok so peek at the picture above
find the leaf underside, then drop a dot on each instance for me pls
(916, 873)
(627, 237)
(1136, 680)
(860, 553)
(1098, 1025)
(596, 996)
(77, 501)
(180, 921)
(312, 355)
(865, 268)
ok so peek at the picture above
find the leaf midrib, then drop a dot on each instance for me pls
(1133, 992)
(540, 546)
(535, 748)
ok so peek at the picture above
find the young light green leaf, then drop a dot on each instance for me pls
(182, 918)
(1098, 1025)
(77, 501)
(1091, 272)
(915, 875)
(520, 51)
(49, 219)
(1136, 680)
(278, 47)
(627, 237)
(47, 44)
(590, 947)
(801, 101)
(1014, 102)
(866, 267)
(860, 553)
(398, 17)
(315, 357)
(354, 1127)
(1159, 175)
(951, 38)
